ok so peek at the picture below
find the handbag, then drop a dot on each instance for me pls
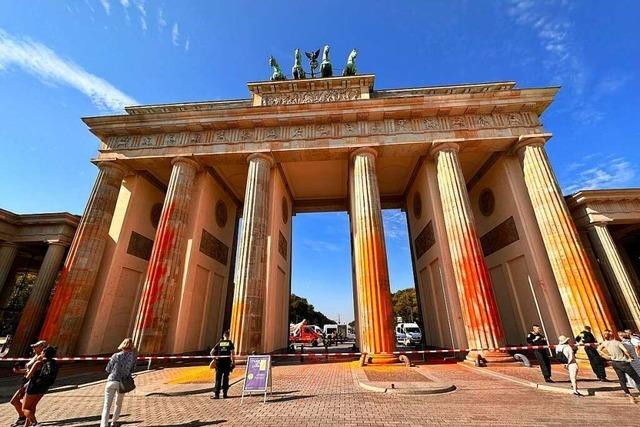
(127, 384)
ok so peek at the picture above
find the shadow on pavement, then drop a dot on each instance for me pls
(287, 398)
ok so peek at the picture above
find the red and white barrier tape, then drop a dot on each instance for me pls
(319, 355)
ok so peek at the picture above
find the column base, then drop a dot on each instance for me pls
(490, 357)
(382, 359)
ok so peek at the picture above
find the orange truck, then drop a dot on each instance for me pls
(301, 333)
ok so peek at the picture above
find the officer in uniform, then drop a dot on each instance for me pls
(536, 337)
(225, 363)
(597, 364)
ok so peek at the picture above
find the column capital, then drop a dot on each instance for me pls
(443, 146)
(524, 141)
(8, 244)
(187, 161)
(364, 150)
(264, 156)
(113, 166)
(57, 243)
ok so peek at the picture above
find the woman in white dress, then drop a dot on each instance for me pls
(570, 363)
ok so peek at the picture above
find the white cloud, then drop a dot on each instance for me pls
(175, 34)
(143, 23)
(596, 171)
(46, 65)
(395, 224)
(321, 245)
(124, 3)
(187, 44)
(107, 7)
(161, 21)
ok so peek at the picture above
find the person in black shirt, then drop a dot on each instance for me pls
(225, 363)
(597, 364)
(536, 337)
(41, 376)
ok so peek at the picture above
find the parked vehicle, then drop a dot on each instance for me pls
(304, 334)
(408, 334)
(341, 331)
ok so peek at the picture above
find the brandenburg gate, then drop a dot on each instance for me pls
(188, 227)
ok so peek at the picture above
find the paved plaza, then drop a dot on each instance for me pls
(328, 394)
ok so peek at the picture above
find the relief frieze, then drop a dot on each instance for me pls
(329, 130)
(212, 247)
(310, 97)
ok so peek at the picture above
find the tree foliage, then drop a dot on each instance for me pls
(405, 305)
(299, 308)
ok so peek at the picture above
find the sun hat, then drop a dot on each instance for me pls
(562, 339)
(41, 343)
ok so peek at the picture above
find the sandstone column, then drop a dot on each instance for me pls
(163, 271)
(36, 306)
(248, 299)
(375, 314)
(72, 293)
(622, 286)
(581, 294)
(477, 299)
(8, 253)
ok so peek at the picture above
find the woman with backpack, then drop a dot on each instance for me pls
(566, 356)
(119, 381)
(41, 376)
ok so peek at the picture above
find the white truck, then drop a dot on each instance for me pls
(342, 332)
(408, 334)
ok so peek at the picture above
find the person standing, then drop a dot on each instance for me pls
(225, 362)
(569, 361)
(625, 339)
(597, 364)
(120, 367)
(18, 396)
(537, 338)
(41, 376)
(620, 358)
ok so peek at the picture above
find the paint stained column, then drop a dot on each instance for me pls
(248, 299)
(36, 306)
(580, 291)
(375, 314)
(477, 299)
(74, 288)
(622, 285)
(163, 271)
(8, 253)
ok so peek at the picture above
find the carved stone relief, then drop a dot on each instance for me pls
(499, 237)
(310, 97)
(213, 248)
(425, 240)
(140, 246)
(282, 245)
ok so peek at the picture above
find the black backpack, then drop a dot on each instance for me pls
(48, 373)
(560, 357)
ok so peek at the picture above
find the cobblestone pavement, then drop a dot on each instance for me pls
(325, 394)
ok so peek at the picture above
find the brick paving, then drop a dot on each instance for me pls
(312, 395)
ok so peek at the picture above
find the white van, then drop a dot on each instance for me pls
(408, 334)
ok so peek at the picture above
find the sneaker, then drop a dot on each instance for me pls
(577, 393)
(224, 396)
(215, 396)
(548, 380)
(19, 422)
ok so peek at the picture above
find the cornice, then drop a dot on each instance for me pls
(584, 197)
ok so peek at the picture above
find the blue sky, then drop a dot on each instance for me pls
(62, 60)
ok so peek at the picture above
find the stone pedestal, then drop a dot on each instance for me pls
(8, 253)
(167, 255)
(581, 293)
(375, 314)
(35, 309)
(72, 293)
(619, 278)
(248, 299)
(477, 300)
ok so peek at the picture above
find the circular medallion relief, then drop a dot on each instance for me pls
(156, 211)
(487, 202)
(417, 205)
(221, 214)
(285, 210)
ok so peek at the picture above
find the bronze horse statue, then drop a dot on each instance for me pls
(297, 72)
(326, 70)
(350, 68)
(277, 72)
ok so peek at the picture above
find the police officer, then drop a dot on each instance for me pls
(597, 364)
(536, 337)
(225, 363)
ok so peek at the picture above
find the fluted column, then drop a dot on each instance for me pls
(72, 293)
(375, 314)
(621, 283)
(248, 299)
(8, 251)
(580, 291)
(167, 255)
(477, 299)
(36, 306)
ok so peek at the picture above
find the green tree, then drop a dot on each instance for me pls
(299, 308)
(405, 305)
